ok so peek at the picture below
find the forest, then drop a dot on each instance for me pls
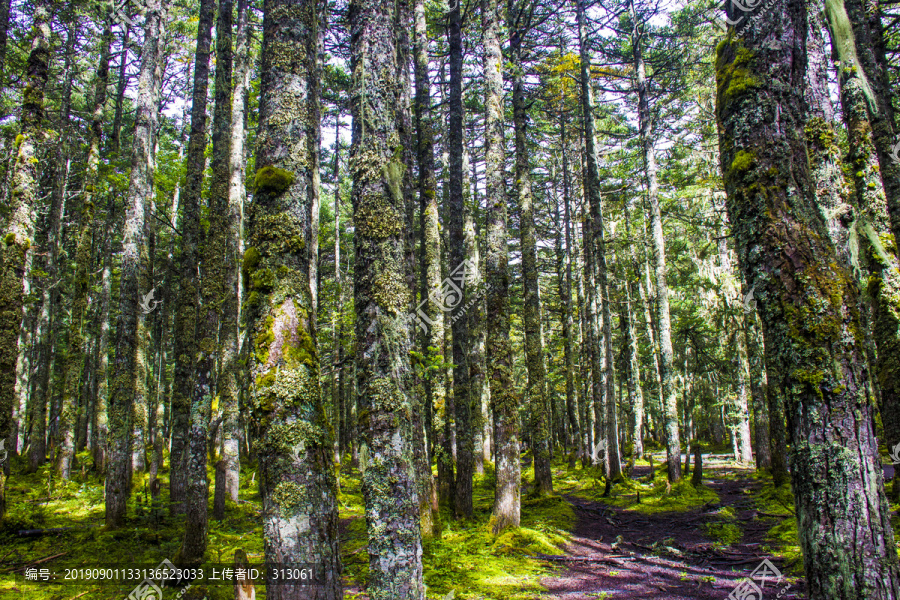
(436, 299)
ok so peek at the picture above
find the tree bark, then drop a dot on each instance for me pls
(231, 424)
(215, 350)
(462, 394)
(115, 139)
(658, 244)
(134, 269)
(565, 286)
(536, 391)
(186, 326)
(74, 361)
(382, 298)
(808, 309)
(5, 11)
(507, 505)
(20, 225)
(430, 263)
(758, 391)
(870, 242)
(298, 480)
(856, 38)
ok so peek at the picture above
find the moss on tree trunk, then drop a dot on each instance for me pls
(808, 306)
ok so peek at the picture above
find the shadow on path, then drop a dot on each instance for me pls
(621, 554)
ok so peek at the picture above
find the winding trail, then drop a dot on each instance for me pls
(629, 555)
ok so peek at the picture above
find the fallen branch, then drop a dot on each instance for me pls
(37, 562)
(39, 532)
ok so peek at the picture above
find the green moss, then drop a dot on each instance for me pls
(273, 180)
(726, 533)
(743, 160)
(734, 79)
(264, 340)
(263, 280)
(304, 352)
(251, 259)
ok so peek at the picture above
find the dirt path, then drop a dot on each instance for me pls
(628, 555)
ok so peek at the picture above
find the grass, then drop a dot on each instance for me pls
(145, 541)
(467, 559)
(641, 496)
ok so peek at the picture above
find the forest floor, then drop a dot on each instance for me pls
(646, 540)
(619, 551)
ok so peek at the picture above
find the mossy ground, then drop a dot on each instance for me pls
(146, 540)
(467, 559)
(639, 495)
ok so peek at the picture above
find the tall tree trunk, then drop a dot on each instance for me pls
(186, 326)
(566, 300)
(216, 351)
(583, 289)
(592, 347)
(507, 504)
(536, 391)
(382, 299)
(74, 361)
(430, 265)
(658, 244)
(134, 269)
(870, 240)
(462, 393)
(407, 132)
(230, 403)
(297, 474)
(16, 259)
(337, 313)
(737, 406)
(5, 12)
(475, 312)
(808, 308)
(635, 393)
(740, 418)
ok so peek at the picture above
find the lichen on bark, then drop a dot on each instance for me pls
(295, 438)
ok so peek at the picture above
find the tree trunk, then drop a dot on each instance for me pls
(658, 244)
(115, 139)
(808, 309)
(856, 38)
(297, 476)
(216, 351)
(5, 12)
(20, 225)
(382, 299)
(74, 361)
(507, 505)
(758, 391)
(877, 266)
(536, 391)
(134, 269)
(572, 410)
(462, 394)
(430, 265)
(99, 449)
(231, 424)
(186, 326)
(737, 408)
